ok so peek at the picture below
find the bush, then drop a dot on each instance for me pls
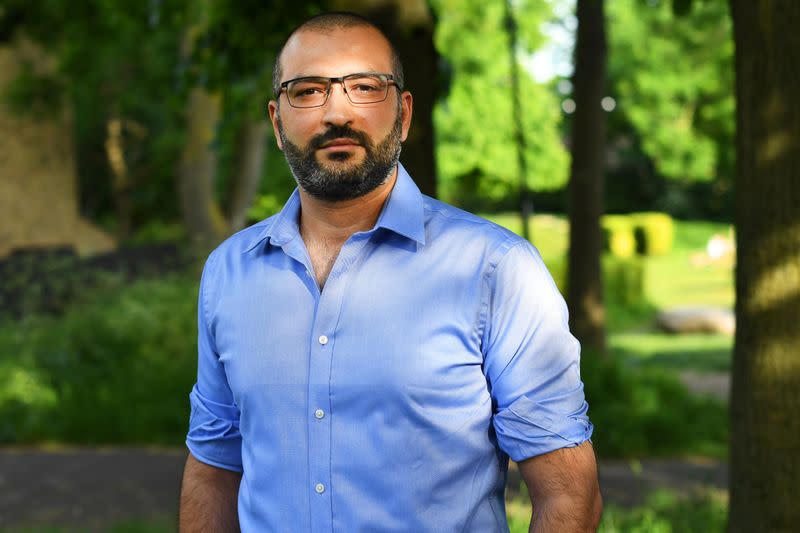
(618, 237)
(663, 512)
(117, 369)
(648, 412)
(654, 233)
(668, 512)
(623, 280)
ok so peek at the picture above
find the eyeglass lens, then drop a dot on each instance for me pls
(313, 92)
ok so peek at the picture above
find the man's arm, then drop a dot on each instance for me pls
(208, 498)
(564, 490)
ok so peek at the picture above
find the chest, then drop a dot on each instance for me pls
(323, 254)
(385, 318)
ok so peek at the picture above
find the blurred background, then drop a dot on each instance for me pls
(134, 138)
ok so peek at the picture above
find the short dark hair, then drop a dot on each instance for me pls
(326, 22)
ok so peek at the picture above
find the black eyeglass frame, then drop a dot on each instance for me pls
(389, 81)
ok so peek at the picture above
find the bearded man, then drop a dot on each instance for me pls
(370, 358)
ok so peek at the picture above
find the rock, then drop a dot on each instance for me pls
(697, 320)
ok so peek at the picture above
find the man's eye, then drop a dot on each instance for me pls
(365, 88)
(305, 91)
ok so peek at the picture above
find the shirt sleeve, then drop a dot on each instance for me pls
(531, 360)
(213, 436)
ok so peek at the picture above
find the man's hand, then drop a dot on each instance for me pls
(564, 490)
(208, 498)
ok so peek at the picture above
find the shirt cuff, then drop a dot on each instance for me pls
(214, 436)
(526, 428)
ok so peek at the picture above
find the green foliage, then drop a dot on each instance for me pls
(618, 236)
(131, 62)
(648, 412)
(117, 368)
(667, 512)
(673, 79)
(698, 352)
(663, 512)
(265, 206)
(476, 150)
(654, 233)
(623, 280)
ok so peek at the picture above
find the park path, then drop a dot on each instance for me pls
(91, 489)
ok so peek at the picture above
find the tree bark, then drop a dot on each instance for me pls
(120, 177)
(202, 215)
(586, 187)
(251, 144)
(765, 402)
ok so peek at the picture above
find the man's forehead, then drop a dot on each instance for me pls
(335, 52)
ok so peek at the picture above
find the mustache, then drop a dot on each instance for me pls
(339, 132)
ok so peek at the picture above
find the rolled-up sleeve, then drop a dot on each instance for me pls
(531, 360)
(213, 436)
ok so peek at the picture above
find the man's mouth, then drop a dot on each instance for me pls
(340, 144)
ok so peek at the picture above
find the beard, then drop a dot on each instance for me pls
(343, 181)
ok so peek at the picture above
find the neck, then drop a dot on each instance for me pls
(336, 221)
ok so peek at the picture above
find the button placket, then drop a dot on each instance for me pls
(321, 358)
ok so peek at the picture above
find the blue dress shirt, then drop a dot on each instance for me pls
(392, 399)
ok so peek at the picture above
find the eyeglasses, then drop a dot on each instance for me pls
(360, 88)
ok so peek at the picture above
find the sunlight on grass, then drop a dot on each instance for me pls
(673, 280)
(697, 352)
(664, 511)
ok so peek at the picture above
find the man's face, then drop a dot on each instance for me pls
(340, 151)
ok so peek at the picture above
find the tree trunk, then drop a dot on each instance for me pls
(120, 177)
(410, 25)
(38, 184)
(202, 215)
(585, 288)
(765, 402)
(197, 169)
(251, 144)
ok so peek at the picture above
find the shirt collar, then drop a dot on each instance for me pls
(403, 214)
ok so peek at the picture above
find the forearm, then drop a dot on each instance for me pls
(208, 498)
(565, 494)
(567, 514)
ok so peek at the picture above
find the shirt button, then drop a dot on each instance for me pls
(323, 340)
(320, 488)
(319, 413)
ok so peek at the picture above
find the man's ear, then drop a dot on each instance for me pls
(275, 118)
(406, 108)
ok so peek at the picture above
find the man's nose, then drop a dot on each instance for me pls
(338, 109)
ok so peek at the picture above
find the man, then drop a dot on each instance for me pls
(370, 357)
